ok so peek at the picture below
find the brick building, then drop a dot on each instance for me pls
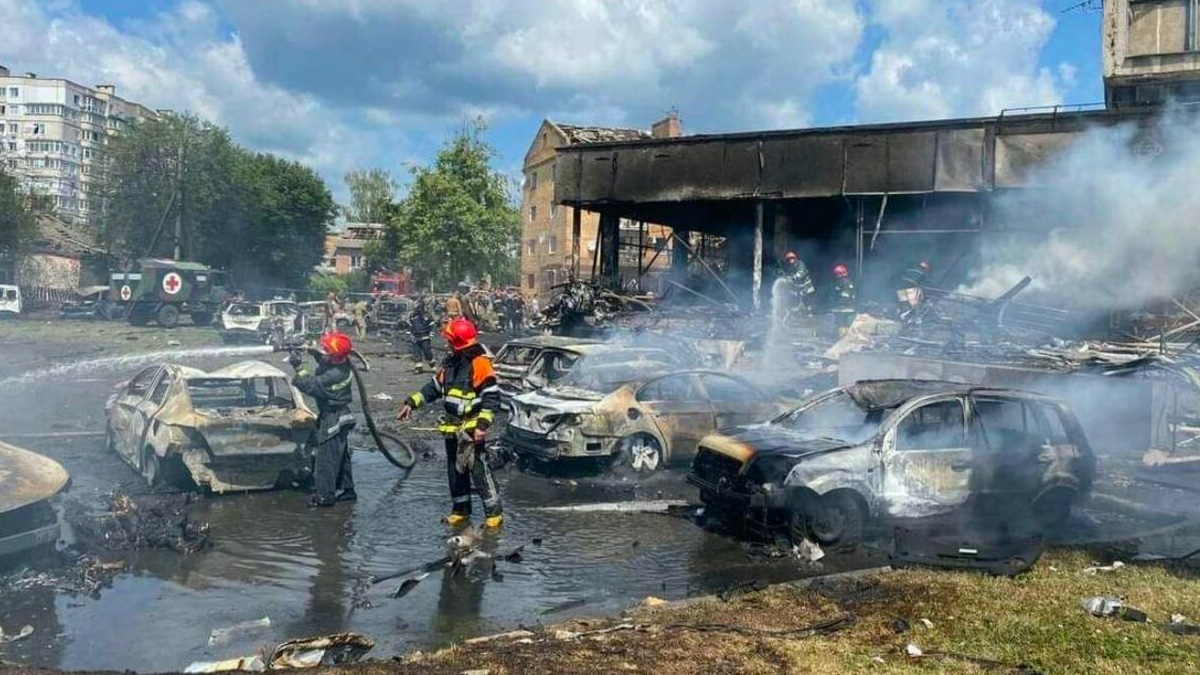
(546, 228)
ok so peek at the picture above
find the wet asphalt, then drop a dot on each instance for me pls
(309, 571)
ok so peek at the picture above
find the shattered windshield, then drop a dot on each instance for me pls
(245, 310)
(837, 417)
(608, 378)
(256, 392)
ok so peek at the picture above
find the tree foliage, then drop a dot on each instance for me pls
(457, 221)
(372, 196)
(18, 225)
(260, 216)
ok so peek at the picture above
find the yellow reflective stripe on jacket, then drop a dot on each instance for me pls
(338, 386)
(486, 415)
(417, 399)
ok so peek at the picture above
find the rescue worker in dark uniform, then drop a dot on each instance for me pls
(910, 290)
(421, 327)
(467, 386)
(331, 387)
(799, 285)
(844, 296)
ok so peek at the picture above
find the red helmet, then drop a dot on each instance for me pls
(460, 333)
(336, 346)
(841, 271)
(924, 264)
(790, 258)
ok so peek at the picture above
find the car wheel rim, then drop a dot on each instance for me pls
(643, 456)
(829, 523)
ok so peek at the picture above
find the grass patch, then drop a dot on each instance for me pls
(1035, 620)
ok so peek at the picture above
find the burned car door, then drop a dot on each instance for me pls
(680, 410)
(145, 423)
(927, 461)
(124, 417)
(736, 402)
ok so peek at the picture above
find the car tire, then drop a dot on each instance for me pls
(638, 455)
(835, 519)
(151, 468)
(167, 316)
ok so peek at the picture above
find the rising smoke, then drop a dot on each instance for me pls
(1113, 222)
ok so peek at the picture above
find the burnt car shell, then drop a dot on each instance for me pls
(513, 359)
(243, 427)
(779, 469)
(27, 482)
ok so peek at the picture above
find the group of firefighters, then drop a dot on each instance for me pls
(467, 387)
(843, 296)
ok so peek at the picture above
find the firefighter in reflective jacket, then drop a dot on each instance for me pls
(910, 291)
(330, 387)
(844, 296)
(470, 396)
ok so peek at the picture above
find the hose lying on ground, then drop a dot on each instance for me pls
(407, 457)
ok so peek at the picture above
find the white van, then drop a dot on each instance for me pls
(10, 300)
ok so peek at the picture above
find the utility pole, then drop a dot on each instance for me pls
(179, 200)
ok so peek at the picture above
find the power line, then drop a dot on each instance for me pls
(1085, 6)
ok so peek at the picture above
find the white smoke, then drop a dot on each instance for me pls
(1113, 222)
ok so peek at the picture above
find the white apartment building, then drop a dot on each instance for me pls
(52, 131)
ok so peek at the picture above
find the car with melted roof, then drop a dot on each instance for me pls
(513, 360)
(242, 427)
(897, 452)
(638, 414)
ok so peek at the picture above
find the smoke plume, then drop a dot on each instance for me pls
(1112, 223)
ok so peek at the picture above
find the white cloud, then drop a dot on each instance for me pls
(946, 58)
(181, 60)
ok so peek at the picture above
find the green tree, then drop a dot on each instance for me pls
(321, 284)
(18, 224)
(458, 220)
(260, 216)
(372, 196)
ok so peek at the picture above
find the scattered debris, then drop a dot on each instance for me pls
(651, 601)
(25, 632)
(562, 607)
(221, 635)
(927, 623)
(1112, 606)
(409, 584)
(173, 343)
(808, 551)
(658, 506)
(382, 396)
(254, 664)
(901, 626)
(329, 650)
(514, 556)
(1179, 625)
(134, 524)
(913, 650)
(1104, 568)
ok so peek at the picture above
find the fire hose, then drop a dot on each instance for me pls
(407, 458)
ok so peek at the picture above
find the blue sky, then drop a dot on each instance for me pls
(379, 83)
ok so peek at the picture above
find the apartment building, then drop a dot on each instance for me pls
(1151, 51)
(546, 227)
(52, 132)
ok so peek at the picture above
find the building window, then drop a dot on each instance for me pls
(545, 138)
(553, 171)
(530, 280)
(14, 92)
(355, 261)
(12, 127)
(1160, 27)
(530, 246)
(39, 129)
(533, 179)
(553, 210)
(552, 244)
(533, 213)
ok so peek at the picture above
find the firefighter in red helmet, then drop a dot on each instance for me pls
(844, 296)
(470, 395)
(330, 386)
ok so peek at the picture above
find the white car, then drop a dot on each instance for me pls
(244, 427)
(10, 300)
(258, 322)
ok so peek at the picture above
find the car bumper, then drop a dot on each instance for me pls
(541, 446)
(241, 473)
(46, 535)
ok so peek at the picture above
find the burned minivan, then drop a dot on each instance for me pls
(243, 427)
(896, 452)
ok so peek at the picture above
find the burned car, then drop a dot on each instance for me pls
(27, 482)
(638, 415)
(513, 360)
(554, 363)
(244, 427)
(262, 322)
(900, 452)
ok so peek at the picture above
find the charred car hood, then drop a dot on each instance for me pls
(745, 442)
